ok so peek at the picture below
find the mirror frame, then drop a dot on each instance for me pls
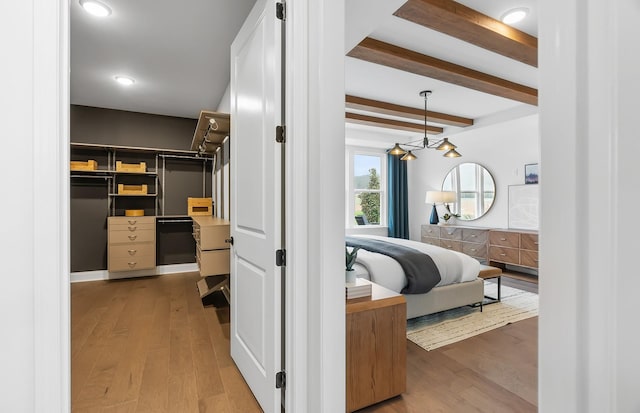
(455, 207)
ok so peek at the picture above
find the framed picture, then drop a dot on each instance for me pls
(531, 173)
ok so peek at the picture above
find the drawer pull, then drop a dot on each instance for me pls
(535, 243)
(132, 222)
(132, 237)
(473, 235)
(473, 249)
(503, 255)
(132, 252)
(132, 228)
(449, 246)
(131, 264)
(503, 239)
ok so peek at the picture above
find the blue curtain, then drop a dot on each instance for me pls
(398, 198)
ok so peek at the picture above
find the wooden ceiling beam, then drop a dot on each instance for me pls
(376, 51)
(471, 26)
(385, 108)
(390, 123)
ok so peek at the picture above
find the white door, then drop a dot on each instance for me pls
(256, 203)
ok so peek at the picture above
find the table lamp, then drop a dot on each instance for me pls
(438, 197)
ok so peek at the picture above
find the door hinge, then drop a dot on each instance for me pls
(281, 380)
(280, 11)
(280, 134)
(281, 258)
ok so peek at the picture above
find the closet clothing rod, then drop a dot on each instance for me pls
(90, 176)
(186, 157)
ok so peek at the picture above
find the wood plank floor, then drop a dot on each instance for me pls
(148, 345)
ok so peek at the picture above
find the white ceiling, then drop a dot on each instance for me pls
(178, 53)
(386, 84)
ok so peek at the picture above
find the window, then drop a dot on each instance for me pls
(366, 187)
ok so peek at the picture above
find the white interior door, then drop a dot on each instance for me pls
(256, 203)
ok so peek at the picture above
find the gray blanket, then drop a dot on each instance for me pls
(420, 270)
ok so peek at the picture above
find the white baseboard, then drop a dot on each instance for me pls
(84, 276)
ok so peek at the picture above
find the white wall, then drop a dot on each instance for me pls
(503, 149)
(224, 105)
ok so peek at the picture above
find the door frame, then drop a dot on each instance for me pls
(315, 314)
(315, 305)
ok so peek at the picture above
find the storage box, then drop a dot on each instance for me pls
(199, 206)
(131, 167)
(132, 189)
(89, 165)
(134, 212)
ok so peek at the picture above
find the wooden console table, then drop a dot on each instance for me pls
(376, 348)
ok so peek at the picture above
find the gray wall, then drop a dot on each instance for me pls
(118, 127)
(177, 180)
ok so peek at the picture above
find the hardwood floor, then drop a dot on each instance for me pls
(492, 372)
(149, 345)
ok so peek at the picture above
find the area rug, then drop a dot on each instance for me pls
(437, 330)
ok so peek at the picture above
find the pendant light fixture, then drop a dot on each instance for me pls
(407, 149)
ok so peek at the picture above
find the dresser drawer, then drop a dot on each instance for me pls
(432, 241)
(127, 237)
(504, 239)
(529, 241)
(139, 249)
(529, 258)
(506, 255)
(475, 250)
(215, 262)
(475, 235)
(131, 220)
(132, 263)
(451, 233)
(430, 231)
(213, 237)
(132, 228)
(451, 245)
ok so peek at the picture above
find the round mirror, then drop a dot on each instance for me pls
(475, 190)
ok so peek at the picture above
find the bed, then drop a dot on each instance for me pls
(459, 284)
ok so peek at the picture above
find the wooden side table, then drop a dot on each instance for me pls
(376, 347)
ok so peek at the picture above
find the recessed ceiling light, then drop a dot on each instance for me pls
(95, 7)
(514, 15)
(126, 81)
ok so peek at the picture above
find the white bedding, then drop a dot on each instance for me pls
(454, 266)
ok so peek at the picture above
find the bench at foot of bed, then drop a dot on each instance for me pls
(486, 273)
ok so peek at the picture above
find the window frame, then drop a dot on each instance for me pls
(350, 191)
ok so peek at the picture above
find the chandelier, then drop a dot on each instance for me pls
(407, 149)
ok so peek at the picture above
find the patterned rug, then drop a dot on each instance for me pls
(437, 330)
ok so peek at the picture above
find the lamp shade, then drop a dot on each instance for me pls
(397, 150)
(409, 156)
(452, 154)
(440, 197)
(446, 145)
